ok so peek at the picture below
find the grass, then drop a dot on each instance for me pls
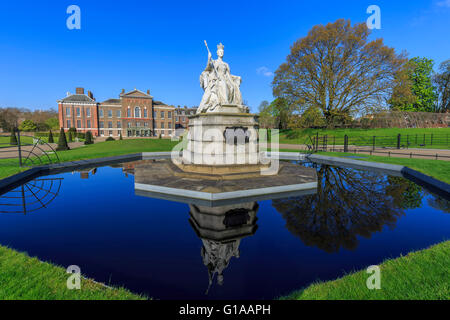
(102, 149)
(441, 136)
(421, 275)
(438, 169)
(27, 278)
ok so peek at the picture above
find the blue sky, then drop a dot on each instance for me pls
(158, 45)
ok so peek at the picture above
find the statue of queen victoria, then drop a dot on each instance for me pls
(221, 87)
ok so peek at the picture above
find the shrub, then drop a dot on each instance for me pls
(50, 137)
(88, 138)
(70, 136)
(110, 139)
(13, 139)
(62, 142)
(120, 136)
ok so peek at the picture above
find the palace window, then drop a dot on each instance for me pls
(154, 114)
(118, 113)
(177, 119)
(109, 113)
(109, 124)
(88, 112)
(162, 114)
(110, 133)
(78, 112)
(68, 123)
(100, 112)
(170, 125)
(145, 124)
(68, 111)
(145, 113)
(137, 112)
(119, 124)
(129, 113)
(102, 125)
(162, 125)
(78, 123)
(129, 124)
(138, 124)
(169, 114)
(89, 123)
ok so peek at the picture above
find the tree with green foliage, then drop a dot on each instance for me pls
(70, 136)
(52, 123)
(120, 135)
(62, 142)
(13, 138)
(338, 70)
(441, 81)
(50, 137)
(266, 119)
(419, 77)
(281, 112)
(312, 118)
(27, 125)
(88, 138)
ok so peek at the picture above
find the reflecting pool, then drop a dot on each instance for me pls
(165, 249)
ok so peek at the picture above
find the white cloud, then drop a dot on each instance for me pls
(264, 71)
(443, 3)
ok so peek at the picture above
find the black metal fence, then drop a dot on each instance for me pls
(385, 145)
(25, 150)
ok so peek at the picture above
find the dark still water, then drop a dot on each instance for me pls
(170, 250)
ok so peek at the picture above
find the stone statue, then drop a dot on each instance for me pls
(221, 87)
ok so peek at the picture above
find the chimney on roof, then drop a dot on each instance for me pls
(90, 95)
(148, 91)
(79, 90)
(123, 90)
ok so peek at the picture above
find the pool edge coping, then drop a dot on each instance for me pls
(434, 185)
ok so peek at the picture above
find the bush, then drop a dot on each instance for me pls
(50, 137)
(110, 139)
(120, 136)
(70, 136)
(88, 138)
(13, 139)
(62, 142)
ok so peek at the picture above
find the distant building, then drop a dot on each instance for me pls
(134, 114)
(181, 116)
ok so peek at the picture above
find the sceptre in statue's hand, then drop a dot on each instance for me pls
(209, 58)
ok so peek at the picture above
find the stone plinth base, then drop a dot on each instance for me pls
(222, 138)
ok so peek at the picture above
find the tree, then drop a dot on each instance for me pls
(50, 137)
(312, 118)
(336, 69)
(88, 138)
(62, 142)
(27, 125)
(70, 136)
(53, 123)
(266, 119)
(9, 118)
(120, 136)
(442, 82)
(419, 78)
(280, 111)
(13, 138)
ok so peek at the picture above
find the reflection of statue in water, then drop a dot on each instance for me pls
(221, 230)
(348, 204)
(221, 87)
(217, 255)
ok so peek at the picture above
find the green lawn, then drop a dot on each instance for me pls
(23, 277)
(102, 149)
(421, 275)
(414, 136)
(438, 169)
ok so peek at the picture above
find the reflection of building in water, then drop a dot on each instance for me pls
(221, 230)
(84, 173)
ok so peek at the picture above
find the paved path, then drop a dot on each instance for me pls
(418, 153)
(12, 152)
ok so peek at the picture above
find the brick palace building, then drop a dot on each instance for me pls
(135, 114)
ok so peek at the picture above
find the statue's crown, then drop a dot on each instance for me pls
(220, 46)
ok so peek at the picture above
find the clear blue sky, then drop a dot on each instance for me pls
(158, 45)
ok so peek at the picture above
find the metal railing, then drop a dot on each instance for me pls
(26, 150)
